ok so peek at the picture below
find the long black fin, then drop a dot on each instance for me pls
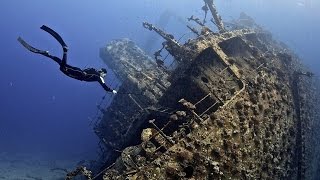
(54, 34)
(31, 48)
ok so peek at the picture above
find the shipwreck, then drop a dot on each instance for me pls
(238, 105)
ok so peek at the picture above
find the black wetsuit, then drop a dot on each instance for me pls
(89, 74)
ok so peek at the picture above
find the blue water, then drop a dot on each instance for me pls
(43, 111)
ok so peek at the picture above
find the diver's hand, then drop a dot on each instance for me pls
(114, 91)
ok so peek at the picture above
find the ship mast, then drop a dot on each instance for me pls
(216, 16)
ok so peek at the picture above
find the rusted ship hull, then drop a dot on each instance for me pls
(236, 107)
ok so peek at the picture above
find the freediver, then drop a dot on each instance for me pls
(88, 74)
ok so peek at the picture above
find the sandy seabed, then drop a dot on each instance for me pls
(33, 166)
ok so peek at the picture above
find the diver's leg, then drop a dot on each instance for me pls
(55, 35)
(64, 58)
(56, 59)
(60, 40)
(38, 51)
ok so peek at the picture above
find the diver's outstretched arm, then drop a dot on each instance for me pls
(55, 35)
(103, 84)
(38, 51)
(105, 87)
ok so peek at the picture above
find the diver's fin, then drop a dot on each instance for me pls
(32, 49)
(54, 34)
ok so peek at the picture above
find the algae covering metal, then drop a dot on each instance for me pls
(239, 105)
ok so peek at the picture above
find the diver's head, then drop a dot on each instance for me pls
(103, 72)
